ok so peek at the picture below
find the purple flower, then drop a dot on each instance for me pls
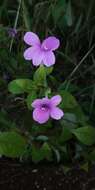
(12, 32)
(40, 53)
(45, 108)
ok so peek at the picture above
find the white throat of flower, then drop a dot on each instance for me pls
(45, 48)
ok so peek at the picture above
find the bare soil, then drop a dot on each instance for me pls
(17, 176)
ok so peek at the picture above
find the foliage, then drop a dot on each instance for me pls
(73, 137)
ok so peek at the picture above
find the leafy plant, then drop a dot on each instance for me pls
(71, 138)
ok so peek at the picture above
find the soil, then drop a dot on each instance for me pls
(17, 176)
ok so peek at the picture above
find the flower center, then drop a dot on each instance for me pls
(45, 48)
(44, 107)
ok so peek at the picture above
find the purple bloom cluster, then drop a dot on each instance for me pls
(12, 32)
(45, 108)
(42, 53)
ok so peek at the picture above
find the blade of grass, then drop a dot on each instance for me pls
(90, 7)
(90, 69)
(81, 61)
(26, 16)
(15, 23)
(3, 6)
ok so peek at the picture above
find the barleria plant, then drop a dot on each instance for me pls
(59, 130)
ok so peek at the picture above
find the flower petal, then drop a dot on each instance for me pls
(29, 53)
(46, 101)
(40, 116)
(36, 103)
(31, 39)
(56, 113)
(34, 54)
(38, 57)
(49, 58)
(51, 43)
(55, 100)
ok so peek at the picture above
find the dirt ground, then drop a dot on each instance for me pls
(17, 176)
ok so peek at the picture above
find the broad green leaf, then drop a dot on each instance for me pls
(30, 98)
(65, 135)
(70, 105)
(42, 153)
(12, 144)
(69, 120)
(68, 100)
(36, 155)
(70, 117)
(19, 86)
(81, 118)
(40, 75)
(85, 134)
(46, 150)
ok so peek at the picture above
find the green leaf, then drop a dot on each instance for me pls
(42, 138)
(42, 129)
(70, 105)
(66, 169)
(36, 155)
(85, 167)
(69, 100)
(30, 98)
(65, 135)
(42, 153)
(69, 120)
(85, 134)
(46, 150)
(19, 86)
(12, 144)
(81, 118)
(57, 154)
(70, 117)
(48, 70)
(40, 75)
